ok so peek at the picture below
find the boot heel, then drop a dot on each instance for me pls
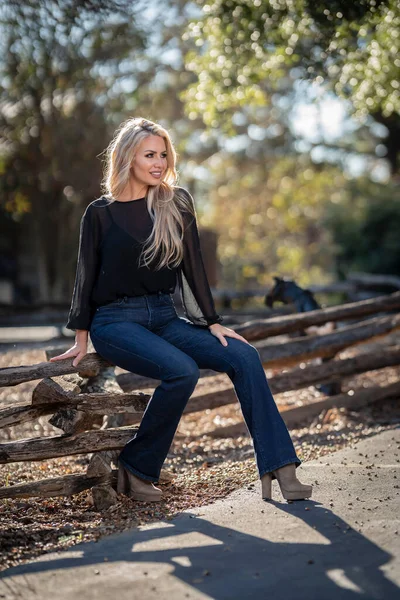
(266, 486)
(122, 484)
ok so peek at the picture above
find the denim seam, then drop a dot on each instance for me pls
(127, 352)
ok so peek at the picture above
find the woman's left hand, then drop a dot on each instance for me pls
(222, 332)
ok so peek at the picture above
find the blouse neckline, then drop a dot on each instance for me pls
(128, 201)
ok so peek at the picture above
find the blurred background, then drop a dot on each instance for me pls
(285, 117)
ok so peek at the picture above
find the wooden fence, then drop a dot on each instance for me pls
(78, 398)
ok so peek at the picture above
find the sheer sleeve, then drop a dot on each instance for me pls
(82, 309)
(193, 268)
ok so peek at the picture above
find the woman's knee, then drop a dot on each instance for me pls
(189, 373)
(243, 355)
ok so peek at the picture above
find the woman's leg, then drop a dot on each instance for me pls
(273, 446)
(131, 346)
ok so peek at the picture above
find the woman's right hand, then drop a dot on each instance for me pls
(78, 350)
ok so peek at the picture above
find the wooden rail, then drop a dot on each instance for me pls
(74, 409)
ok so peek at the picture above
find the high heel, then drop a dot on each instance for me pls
(266, 486)
(122, 483)
(291, 487)
(135, 487)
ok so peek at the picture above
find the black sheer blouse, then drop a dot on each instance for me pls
(112, 235)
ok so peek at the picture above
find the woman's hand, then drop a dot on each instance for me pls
(79, 349)
(222, 332)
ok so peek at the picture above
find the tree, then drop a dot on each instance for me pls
(64, 65)
(247, 51)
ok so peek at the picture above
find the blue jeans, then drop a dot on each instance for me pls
(145, 335)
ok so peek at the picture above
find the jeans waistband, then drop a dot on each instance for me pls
(142, 299)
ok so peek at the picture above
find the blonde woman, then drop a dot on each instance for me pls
(137, 242)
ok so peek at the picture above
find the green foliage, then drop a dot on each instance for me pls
(249, 48)
(269, 220)
(60, 63)
(365, 224)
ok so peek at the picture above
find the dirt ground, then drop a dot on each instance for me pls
(206, 467)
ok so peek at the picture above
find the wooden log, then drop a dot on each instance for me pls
(260, 329)
(56, 390)
(89, 366)
(67, 485)
(334, 370)
(21, 414)
(71, 421)
(100, 463)
(65, 445)
(102, 404)
(305, 348)
(108, 404)
(105, 402)
(297, 415)
(252, 331)
(103, 496)
(296, 378)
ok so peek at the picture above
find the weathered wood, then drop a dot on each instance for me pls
(57, 389)
(102, 404)
(334, 370)
(65, 445)
(66, 485)
(263, 328)
(100, 464)
(108, 404)
(305, 348)
(299, 414)
(105, 402)
(71, 421)
(296, 378)
(21, 414)
(89, 366)
(252, 331)
(103, 496)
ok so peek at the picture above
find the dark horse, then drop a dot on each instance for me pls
(288, 292)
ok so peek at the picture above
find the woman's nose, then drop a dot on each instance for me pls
(160, 163)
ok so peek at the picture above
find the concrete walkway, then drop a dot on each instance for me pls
(342, 544)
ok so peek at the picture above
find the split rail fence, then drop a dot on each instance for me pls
(78, 398)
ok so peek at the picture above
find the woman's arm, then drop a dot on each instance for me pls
(82, 309)
(193, 267)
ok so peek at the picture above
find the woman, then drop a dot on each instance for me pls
(136, 242)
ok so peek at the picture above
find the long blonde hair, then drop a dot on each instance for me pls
(165, 201)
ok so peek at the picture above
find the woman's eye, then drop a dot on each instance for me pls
(151, 155)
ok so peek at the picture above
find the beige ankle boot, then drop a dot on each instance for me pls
(291, 487)
(136, 488)
(266, 486)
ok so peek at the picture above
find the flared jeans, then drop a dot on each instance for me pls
(145, 335)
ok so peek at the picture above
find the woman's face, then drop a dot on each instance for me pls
(150, 163)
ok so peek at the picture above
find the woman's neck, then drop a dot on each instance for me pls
(132, 191)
